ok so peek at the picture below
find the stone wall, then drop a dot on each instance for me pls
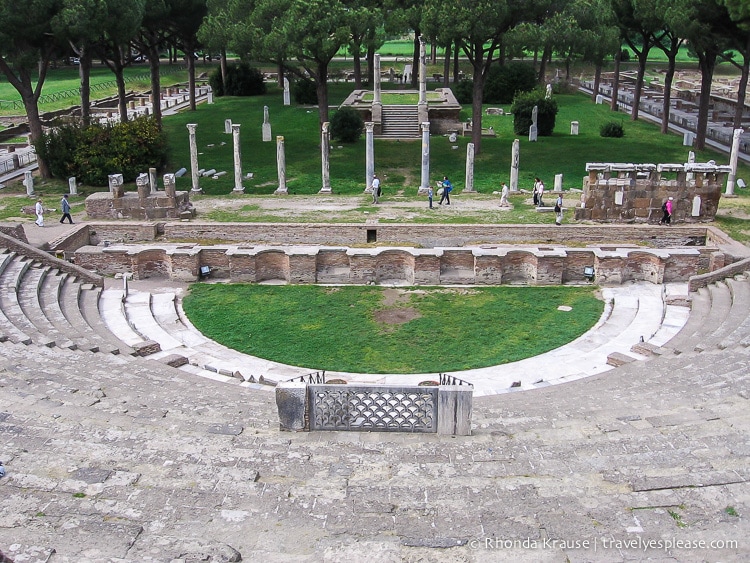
(473, 266)
(131, 205)
(634, 193)
(14, 230)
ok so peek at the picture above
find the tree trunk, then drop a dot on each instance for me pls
(707, 64)
(371, 67)
(742, 89)
(84, 72)
(597, 80)
(456, 69)
(280, 72)
(223, 67)
(642, 59)
(433, 51)
(476, 101)
(191, 74)
(321, 88)
(536, 57)
(415, 60)
(122, 103)
(153, 54)
(31, 104)
(543, 64)
(613, 105)
(356, 50)
(667, 101)
(447, 66)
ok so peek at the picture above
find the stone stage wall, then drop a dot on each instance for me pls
(438, 266)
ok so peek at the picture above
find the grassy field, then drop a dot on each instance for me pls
(362, 329)
(399, 162)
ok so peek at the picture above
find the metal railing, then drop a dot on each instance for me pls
(446, 379)
(316, 377)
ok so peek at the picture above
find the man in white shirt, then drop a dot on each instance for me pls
(375, 188)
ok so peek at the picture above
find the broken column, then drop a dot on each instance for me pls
(281, 166)
(325, 150)
(238, 188)
(28, 181)
(515, 157)
(196, 188)
(116, 187)
(369, 155)
(152, 180)
(169, 185)
(144, 186)
(266, 126)
(469, 185)
(731, 177)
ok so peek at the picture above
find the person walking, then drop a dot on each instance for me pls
(540, 194)
(447, 189)
(65, 206)
(39, 210)
(504, 195)
(559, 210)
(667, 208)
(430, 193)
(375, 188)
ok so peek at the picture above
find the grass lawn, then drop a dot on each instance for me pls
(398, 162)
(367, 329)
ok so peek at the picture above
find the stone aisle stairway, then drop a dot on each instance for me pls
(400, 122)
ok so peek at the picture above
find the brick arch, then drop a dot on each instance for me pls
(272, 265)
(396, 264)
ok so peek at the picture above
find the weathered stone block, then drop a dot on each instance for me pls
(291, 401)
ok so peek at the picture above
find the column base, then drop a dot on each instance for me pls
(468, 191)
(281, 191)
(325, 191)
(196, 191)
(240, 190)
(422, 191)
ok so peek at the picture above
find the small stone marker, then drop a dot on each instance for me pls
(688, 138)
(287, 100)
(696, 211)
(228, 126)
(72, 185)
(599, 99)
(574, 128)
(28, 181)
(266, 126)
(558, 182)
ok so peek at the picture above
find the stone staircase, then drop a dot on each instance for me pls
(400, 122)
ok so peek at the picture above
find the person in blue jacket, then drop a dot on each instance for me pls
(447, 189)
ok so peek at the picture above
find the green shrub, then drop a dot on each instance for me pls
(92, 153)
(522, 108)
(464, 91)
(242, 80)
(346, 125)
(612, 129)
(304, 92)
(504, 82)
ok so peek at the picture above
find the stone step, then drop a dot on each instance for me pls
(112, 312)
(700, 308)
(137, 310)
(28, 299)
(11, 282)
(739, 313)
(49, 301)
(86, 305)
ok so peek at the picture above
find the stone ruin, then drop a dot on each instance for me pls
(634, 193)
(146, 203)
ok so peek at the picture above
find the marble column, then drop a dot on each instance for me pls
(422, 72)
(287, 99)
(369, 155)
(266, 126)
(514, 165)
(690, 176)
(238, 187)
(196, 188)
(376, 78)
(325, 150)
(733, 161)
(422, 111)
(469, 184)
(28, 181)
(425, 183)
(558, 182)
(281, 166)
(152, 180)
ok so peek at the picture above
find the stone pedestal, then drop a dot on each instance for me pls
(169, 185)
(454, 410)
(558, 182)
(116, 187)
(143, 184)
(291, 401)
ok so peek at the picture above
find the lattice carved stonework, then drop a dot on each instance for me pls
(347, 407)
